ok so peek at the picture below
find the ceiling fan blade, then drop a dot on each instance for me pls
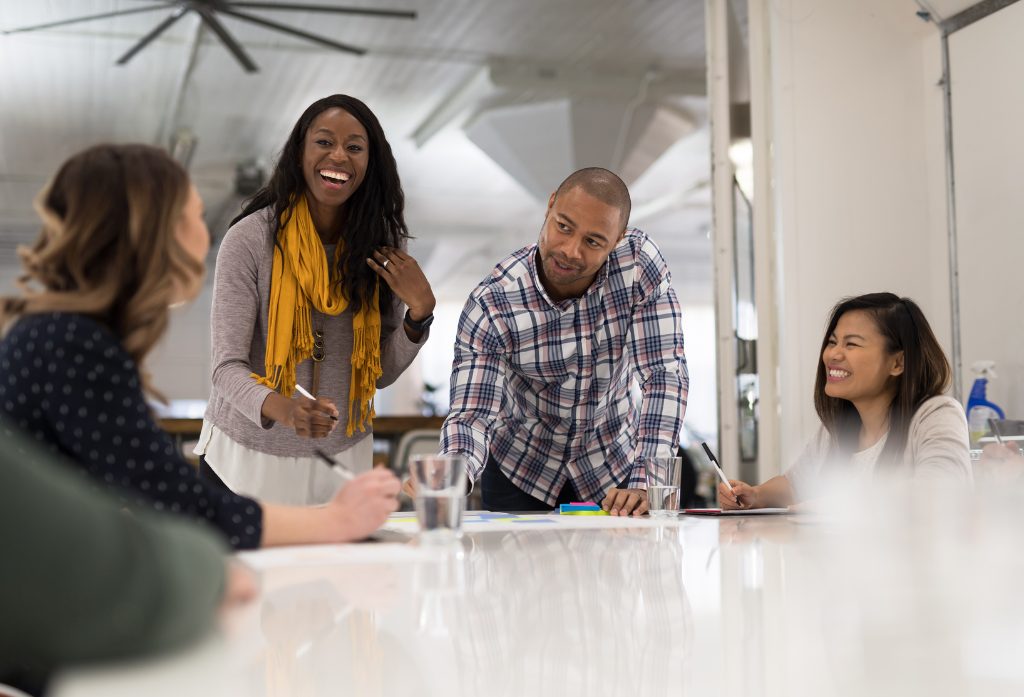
(273, 6)
(229, 41)
(294, 32)
(151, 36)
(76, 20)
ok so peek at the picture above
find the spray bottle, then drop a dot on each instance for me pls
(979, 409)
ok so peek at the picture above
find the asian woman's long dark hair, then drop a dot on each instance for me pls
(926, 372)
(374, 215)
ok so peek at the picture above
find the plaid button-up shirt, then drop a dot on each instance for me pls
(544, 387)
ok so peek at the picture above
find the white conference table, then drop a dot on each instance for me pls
(759, 605)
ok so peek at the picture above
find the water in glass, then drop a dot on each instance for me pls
(663, 500)
(439, 512)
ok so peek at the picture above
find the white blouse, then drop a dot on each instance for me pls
(293, 481)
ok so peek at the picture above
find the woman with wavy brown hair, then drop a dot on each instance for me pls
(879, 392)
(123, 239)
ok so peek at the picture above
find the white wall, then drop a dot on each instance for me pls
(857, 174)
(986, 62)
(180, 362)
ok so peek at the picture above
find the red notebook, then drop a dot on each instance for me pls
(742, 511)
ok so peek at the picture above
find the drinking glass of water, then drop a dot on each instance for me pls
(663, 485)
(440, 494)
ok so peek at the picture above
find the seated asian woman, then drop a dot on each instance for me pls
(879, 393)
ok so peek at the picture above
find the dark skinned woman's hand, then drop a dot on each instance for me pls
(406, 280)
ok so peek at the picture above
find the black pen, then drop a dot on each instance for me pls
(721, 474)
(335, 465)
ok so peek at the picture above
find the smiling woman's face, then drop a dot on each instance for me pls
(335, 157)
(857, 362)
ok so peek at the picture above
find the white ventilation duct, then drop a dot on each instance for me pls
(542, 123)
(539, 144)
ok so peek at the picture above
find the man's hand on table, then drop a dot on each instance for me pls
(623, 502)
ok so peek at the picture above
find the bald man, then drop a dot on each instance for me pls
(548, 347)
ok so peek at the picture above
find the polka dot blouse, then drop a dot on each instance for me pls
(66, 380)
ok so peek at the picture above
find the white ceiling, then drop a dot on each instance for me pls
(60, 91)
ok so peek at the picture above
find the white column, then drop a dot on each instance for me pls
(857, 189)
(766, 276)
(719, 100)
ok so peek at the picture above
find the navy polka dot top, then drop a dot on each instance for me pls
(66, 380)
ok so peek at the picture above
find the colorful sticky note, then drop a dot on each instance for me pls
(574, 507)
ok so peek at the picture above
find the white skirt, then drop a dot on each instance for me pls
(293, 481)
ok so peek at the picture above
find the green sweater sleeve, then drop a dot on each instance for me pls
(82, 579)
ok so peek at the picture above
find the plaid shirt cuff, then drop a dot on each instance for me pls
(637, 476)
(457, 443)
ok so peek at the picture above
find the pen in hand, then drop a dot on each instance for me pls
(718, 469)
(993, 424)
(994, 427)
(335, 465)
(305, 393)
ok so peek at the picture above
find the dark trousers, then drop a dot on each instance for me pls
(207, 473)
(500, 494)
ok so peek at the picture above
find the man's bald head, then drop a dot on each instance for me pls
(601, 184)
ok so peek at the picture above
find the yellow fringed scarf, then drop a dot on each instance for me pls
(300, 279)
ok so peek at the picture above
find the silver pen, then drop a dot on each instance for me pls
(994, 426)
(305, 393)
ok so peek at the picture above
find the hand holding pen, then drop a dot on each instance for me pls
(1004, 450)
(366, 500)
(732, 494)
(315, 418)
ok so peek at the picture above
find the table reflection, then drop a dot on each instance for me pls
(500, 614)
(918, 598)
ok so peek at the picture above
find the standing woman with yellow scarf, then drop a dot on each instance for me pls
(312, 288)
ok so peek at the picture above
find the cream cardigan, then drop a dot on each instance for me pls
(937, 448)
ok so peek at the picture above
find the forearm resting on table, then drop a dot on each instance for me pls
(294, 525)
(775, 493)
